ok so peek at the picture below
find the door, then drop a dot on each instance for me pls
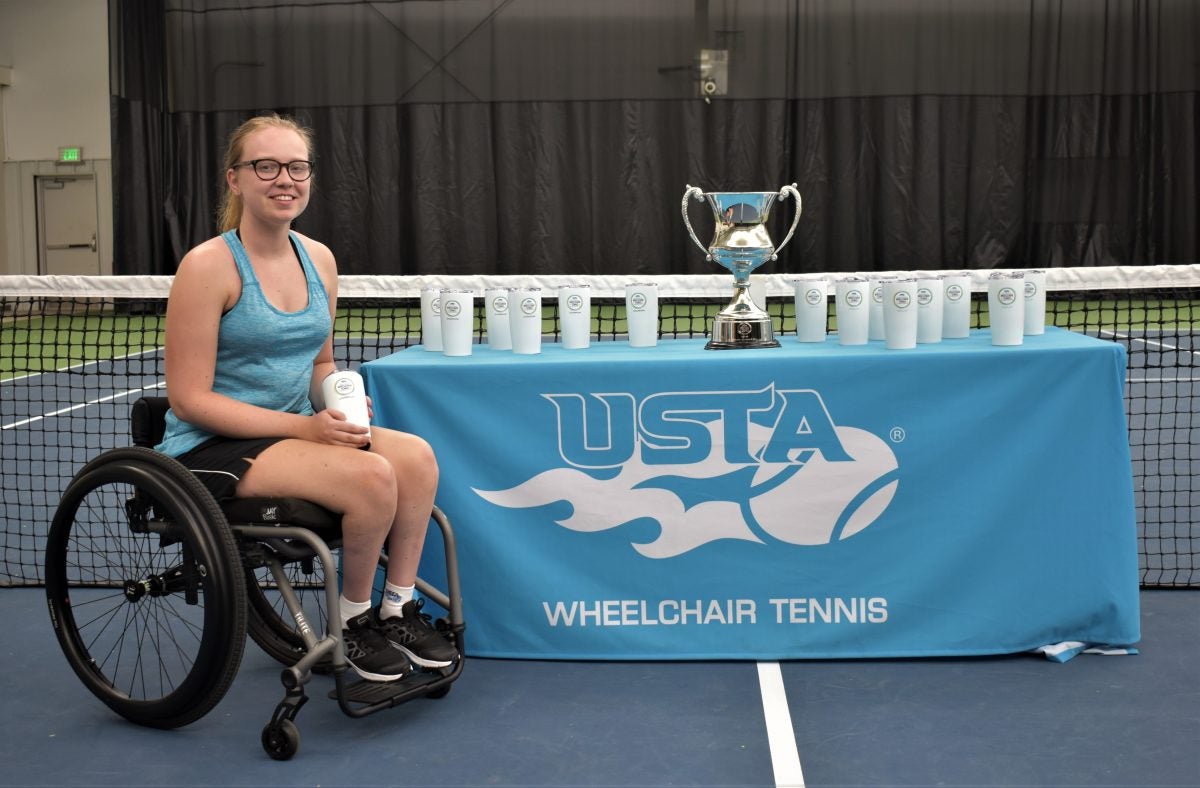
(67, 225)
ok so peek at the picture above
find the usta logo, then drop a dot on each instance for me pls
(759, 466)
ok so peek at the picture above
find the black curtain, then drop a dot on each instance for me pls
(558, 136)
(140, 135)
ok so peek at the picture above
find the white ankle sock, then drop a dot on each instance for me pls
(351, 609)
(394, 598)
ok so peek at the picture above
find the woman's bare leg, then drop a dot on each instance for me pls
(416, 474)
(359, 485)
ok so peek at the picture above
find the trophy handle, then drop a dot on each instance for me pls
(783, 193)
(694, 191)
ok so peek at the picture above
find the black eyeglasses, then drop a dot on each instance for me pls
(269, 169)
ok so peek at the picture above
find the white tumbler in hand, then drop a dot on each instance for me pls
(344, 390)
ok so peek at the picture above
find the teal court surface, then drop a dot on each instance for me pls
(1014, 720)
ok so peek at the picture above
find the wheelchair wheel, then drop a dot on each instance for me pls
(281, 739)
(145, 588)
(271, 625)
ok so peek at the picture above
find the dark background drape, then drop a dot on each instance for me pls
(558, 136)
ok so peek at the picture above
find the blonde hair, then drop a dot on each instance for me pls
(229, 211)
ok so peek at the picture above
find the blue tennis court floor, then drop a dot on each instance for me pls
(1002, 721)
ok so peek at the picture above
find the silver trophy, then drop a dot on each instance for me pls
(741, 244)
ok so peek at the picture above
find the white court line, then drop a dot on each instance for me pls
(1144, 341)
(785, 757)
(81, 365)
(59, 412)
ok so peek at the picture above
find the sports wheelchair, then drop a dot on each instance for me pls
(152, 588)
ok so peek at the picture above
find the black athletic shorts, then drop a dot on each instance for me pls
(219, 463)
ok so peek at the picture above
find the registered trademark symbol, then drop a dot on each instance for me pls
(897, 435)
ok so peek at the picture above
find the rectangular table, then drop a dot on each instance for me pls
(810, 501)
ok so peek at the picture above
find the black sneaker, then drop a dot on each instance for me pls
(412, 633)
(369, 652)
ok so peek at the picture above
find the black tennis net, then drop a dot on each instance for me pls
(75, 352)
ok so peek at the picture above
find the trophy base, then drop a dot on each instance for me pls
(741, 334)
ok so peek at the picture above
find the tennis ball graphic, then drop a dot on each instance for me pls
(826, 501)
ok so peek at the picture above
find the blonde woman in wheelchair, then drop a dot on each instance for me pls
(249, 334)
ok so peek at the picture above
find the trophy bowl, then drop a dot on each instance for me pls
(741, 244)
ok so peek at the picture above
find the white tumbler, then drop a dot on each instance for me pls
(812, 309)
(900, 313)
(876, 329)
(575, 316)
(956, 305)
(431, 318)
(344, 390)
(641, 313)
(1035, 303)
(758, 290)
(458, 322)
(1006, 307)
(852, 309)
(929, 310)
(499, 331)
(525, 316)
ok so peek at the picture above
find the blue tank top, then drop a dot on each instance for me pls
(264, 355)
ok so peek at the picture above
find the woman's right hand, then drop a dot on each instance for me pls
(330, 426)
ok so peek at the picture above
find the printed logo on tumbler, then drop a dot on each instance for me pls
(638, 301)
(574, 303)
(529, 306)
(853, 298)
(924, 296)
(953, 292)
(790, 474)
(814, 296)
(902, 300)
(500, 305)
(1007, 296)
(453, 308)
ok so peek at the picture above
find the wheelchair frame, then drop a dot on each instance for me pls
(135, 531)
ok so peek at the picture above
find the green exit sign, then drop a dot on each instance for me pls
(70, 155)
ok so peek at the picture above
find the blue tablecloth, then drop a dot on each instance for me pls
(801, 502)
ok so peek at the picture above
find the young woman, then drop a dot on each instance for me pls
(249, 333)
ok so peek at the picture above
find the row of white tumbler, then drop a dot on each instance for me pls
(905, 311)
(514, 318)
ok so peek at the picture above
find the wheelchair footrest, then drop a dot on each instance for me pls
(374, 692)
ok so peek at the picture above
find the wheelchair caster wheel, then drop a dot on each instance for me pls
(281, 739)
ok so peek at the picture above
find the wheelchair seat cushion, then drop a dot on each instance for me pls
(281, 511)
